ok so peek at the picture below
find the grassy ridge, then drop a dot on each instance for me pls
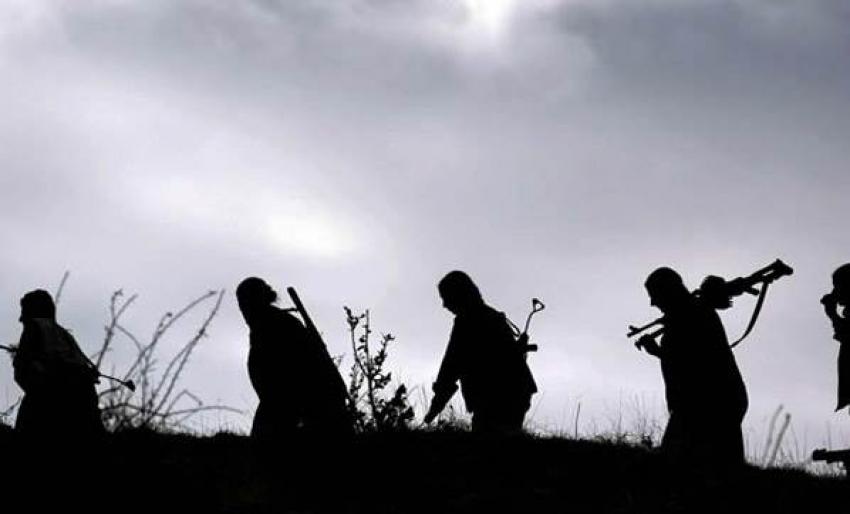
(429, 472)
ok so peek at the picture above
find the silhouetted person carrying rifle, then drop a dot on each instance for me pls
(58, 379)
(485, 358)
(297, 382)
(58, 422)
(705, 393)
(840, 296)
(835, 304)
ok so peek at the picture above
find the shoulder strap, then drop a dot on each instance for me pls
(513, 326)
(755, 315)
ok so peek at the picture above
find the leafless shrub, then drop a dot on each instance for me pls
(371, 406)
(158, 402)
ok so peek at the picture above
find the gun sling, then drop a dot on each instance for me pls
(755, 315)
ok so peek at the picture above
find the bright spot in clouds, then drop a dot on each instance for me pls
(229, 211)
(309, 235)
(490, 16)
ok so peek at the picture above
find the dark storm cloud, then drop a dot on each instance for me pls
(705, 43)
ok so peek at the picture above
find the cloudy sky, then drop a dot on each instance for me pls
(360, 149)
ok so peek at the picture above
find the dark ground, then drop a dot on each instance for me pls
(412, 472)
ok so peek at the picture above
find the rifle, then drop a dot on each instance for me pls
(308, 321)
(718, 293)
(129, 384)
(830, 457)
(314, 333)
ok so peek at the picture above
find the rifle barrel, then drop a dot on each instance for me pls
(633, 330)
(308, 321)
(300, 308)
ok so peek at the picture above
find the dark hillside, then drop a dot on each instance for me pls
(424, 472)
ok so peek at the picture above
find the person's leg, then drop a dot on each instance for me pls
(674, 442)
(501, 422)
(727, 445)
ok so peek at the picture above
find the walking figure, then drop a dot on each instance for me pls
(840, 296)
(705, 393)
(486, 359)
(58, 379)
(297, 382)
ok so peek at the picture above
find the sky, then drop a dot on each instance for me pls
(361, 149)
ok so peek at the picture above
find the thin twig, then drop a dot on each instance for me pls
(183, 356)
(61, 287)
(779, 437)
(770, 432)
(114, 316)
(575, 425)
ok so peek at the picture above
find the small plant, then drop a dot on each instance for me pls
(372, 408)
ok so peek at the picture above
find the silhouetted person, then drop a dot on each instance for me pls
(59, 432)
(298, 384)
(706, 396)
(840, 296)
(485, 358)
(60, 400)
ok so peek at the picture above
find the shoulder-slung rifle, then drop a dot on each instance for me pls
(305, 317)
(717, 292)
(129, 384)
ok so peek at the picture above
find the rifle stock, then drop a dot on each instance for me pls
(129, 384)
(823, 455)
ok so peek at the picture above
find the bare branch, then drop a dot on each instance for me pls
(155, 405)
(114, 316)
(183, 356)
(58, 294)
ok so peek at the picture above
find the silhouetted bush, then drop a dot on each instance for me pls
(158, 401)
(372, 406)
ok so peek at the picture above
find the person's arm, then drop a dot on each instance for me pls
(275, 360)
(840, 329)
(446, 384)
(648, 343)
(30, 369)
(840, 325)
(77, 359)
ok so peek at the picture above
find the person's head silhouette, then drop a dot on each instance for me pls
(37, 304)
(841, 284)
(459, 292)
(666, 289)
(255, 297)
